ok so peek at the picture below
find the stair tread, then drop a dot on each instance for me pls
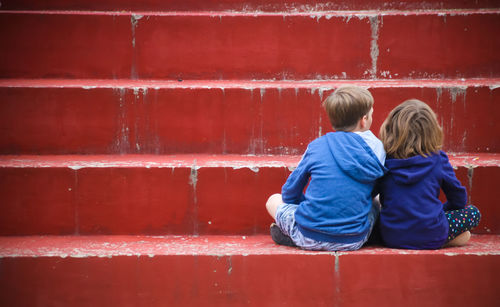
(197, 160)
(312, 14)
(150, 161)
(249, 84)
(108, 246)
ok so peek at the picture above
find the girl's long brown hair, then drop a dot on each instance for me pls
(411, 129)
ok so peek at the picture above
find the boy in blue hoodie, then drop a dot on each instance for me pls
(336, 211)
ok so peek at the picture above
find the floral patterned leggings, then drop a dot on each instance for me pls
(462, 220)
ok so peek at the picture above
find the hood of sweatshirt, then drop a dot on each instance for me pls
(354, 157)
(411, 170)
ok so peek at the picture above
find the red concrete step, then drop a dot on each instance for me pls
(180, 194)
(240, 271)
(250, 45)
(219, 117)
(247, 5)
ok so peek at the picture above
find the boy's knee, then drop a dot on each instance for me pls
(274, 200)
(272, 204)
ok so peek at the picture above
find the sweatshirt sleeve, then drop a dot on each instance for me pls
(456, 194)
(292, 190)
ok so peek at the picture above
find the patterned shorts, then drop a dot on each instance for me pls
(285, 219)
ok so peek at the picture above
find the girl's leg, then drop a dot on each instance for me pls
(273, 203)
(461, 222)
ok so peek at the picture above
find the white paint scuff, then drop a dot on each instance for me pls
(374, 51)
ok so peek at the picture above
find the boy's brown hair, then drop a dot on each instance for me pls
(347, 105)
(411, 129)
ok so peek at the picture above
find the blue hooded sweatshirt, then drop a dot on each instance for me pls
(341, 170)
(412, 215)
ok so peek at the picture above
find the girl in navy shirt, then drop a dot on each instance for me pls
(412, 215)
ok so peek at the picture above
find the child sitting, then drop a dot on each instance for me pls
(412, 215)
(336, 211)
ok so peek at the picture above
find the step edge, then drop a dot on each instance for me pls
(89, 84)
(196, 161)
(260, 13)
(192, 161)
(114, 246)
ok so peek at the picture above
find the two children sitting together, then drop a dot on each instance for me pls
(351, 184)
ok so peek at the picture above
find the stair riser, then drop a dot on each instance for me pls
(247, 46)
(41, 46)
(137, 201)
(159, 201)
(260, 280)
(482, 191)
(218, 120)
(432, 46)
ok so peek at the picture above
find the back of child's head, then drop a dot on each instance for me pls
(347, 105)
(411, 129)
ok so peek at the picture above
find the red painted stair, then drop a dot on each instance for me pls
(242, 45)
(239, 5)
(239, 271)
(179, 194)
(219, 117)
(139, 141)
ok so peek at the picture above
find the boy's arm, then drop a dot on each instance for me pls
(292, 191)
(456, 194)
